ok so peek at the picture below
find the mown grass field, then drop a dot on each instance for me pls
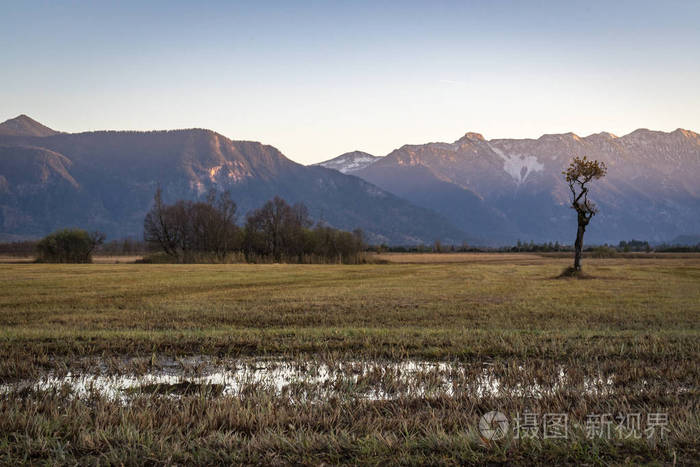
(636, 320)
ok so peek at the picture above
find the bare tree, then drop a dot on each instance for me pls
(186, 226)
(276, 229)
(201, 231)
(580, 173)
(96, 239)
(220, 224)
(159, 229)
(212, 224)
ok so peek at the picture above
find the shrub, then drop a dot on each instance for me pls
(68, 246)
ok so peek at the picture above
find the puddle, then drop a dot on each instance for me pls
(183, 388)
(299, 380)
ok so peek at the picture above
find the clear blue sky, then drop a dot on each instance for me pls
(316, 79)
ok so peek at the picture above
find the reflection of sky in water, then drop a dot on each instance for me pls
(299, 380)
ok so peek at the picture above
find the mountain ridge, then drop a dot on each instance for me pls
(22, 125)
(650, 189)
(117, 172)
(482, 191)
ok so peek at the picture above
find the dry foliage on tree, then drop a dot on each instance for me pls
(580, 173)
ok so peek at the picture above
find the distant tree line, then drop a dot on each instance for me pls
(439, 247)
(20, 248)
(634, 245)
(540, 247)
(532, 247)
(201, 231)
(666, 248)
(125, 246)
(276, 232)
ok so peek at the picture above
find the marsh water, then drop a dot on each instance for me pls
(309, 380)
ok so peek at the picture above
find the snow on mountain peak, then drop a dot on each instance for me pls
(518, 166)
(350, 162)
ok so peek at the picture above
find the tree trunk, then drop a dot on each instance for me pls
(578, 246)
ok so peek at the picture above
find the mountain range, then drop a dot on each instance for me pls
(501, 190)
(105, 180)
(475, 190)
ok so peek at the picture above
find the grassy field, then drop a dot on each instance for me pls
(632, 330)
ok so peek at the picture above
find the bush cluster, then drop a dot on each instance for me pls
(68, 246)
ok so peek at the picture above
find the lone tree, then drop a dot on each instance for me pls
(580, 173)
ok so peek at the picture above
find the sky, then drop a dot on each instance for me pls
(320, 78)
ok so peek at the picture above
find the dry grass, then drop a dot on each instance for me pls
(440, 258)
(637, 320)
(97, 259)
(9, 259)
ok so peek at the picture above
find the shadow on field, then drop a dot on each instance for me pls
(571, 273)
